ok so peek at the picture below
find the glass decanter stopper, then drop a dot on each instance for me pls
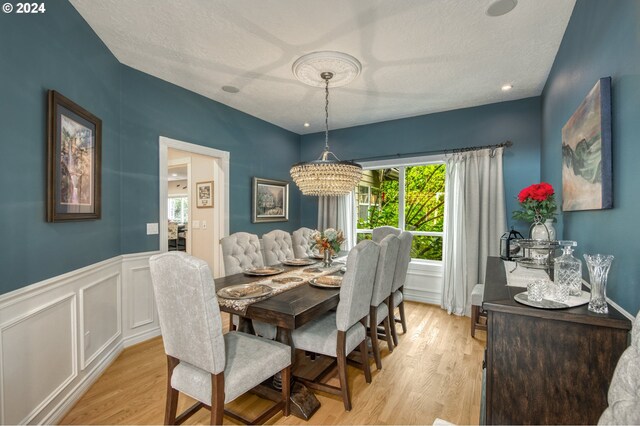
(567, 270)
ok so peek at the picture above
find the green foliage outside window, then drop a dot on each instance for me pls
(424, 206)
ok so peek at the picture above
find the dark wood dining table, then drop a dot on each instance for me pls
(288, 311)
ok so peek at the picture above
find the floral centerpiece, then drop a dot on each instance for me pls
(538, 203)
(327, 242)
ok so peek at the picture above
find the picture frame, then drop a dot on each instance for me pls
(205, 195)
(586, 152)
(74, 161)
(270, 200)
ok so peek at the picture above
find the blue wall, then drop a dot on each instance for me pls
(518, 121)
(152, 108)
(602, 39)
(57, 50)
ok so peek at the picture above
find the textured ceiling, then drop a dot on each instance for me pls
(418, 56)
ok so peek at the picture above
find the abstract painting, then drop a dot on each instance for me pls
(270, 200)
(586, 152)
(74, 158)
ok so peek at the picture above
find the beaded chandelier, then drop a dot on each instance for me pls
(327, 175)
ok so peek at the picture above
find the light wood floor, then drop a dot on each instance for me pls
(434, 372)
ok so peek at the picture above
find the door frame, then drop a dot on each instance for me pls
(221, 194)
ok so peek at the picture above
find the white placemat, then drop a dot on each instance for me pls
(521, 276)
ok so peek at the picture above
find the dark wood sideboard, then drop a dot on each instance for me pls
(546, 366)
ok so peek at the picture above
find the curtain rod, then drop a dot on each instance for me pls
(505, 144)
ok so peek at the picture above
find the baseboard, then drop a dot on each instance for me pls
(60, 410)
(422, 296)
(141, 337)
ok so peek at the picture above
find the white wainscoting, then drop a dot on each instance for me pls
(57, 336)
(424, 282)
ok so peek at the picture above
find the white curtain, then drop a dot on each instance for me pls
(475, 218)
(337, 213)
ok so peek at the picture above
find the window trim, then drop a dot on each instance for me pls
(401, 164)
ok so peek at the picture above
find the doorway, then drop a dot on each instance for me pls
(203, 224)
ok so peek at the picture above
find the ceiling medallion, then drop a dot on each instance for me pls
(328, 175)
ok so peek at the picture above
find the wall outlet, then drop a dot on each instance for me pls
(195, 224)
(152, 229)
(204, 224)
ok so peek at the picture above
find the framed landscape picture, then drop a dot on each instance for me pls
(270, 200)
(586, 152)
(204, 194)
(74, 140)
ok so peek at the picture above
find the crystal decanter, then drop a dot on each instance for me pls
(567, 270)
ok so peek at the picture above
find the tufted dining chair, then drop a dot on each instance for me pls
(624, 391)
(277, 247)
(203, 363)
(338, 333)
(381, 297)
(399, 278)
(239, 252)
(301, 240)
(172, 236)
(380, 232)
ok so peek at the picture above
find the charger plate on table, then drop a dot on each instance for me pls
(327, 281)
(245, 291)
(264, 271)
(298, 262)
(572, 302)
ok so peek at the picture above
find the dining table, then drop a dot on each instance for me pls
(288, 310)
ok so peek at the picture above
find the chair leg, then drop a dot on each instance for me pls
(403, 317)
(364, 354)
(392, 322)
(341, 355)
(232, 326)
(387, 333)
(286, 390)
(373, 333)
(172, 394)
(217, 398)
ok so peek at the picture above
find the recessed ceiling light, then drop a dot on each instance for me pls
(174, 174)
(230, 89)
(507, 87)
(306, 124)
(500, 7)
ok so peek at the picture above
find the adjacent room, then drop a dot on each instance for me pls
(338, 212)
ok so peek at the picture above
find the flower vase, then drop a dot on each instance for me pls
(327, 258)
(543, 231)
(598, 265)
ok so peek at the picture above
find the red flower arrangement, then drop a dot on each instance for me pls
(538, 203)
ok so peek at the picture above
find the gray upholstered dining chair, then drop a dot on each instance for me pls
(338, 333)
(624, 391)
(381, 297)
(203, 363)
(399, 278)
(239, 252)
(380, 232)
(277, 247)
(301, 240)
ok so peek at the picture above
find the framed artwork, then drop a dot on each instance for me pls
(74, 157)
(270, 200)
(204, 195)
(586, 152)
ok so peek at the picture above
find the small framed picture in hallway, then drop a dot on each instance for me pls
(204, 194)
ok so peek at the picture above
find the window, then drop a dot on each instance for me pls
(407, 197)
(178, 209)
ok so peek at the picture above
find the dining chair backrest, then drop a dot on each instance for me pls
(188, 310)
(277, 247)
(389, 247)
(241, 251)
(173, 231)
(301, 240)
(404, 257)
(357, 284)
(379, 233)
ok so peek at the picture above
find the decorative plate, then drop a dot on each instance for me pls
(287, 280)
(572, 302)
(312, 270)
(245, 291)
(298, 262)
(263, 271)
(327, 281)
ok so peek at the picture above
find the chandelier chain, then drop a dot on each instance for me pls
(326, 114)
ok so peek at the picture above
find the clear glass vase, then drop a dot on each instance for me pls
(598, 265)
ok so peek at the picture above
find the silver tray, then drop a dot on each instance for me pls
(264, 271)
(245, 291)
(298, 262)
(572, 302)
(314, 282)
(531, 263)
(538, 244)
